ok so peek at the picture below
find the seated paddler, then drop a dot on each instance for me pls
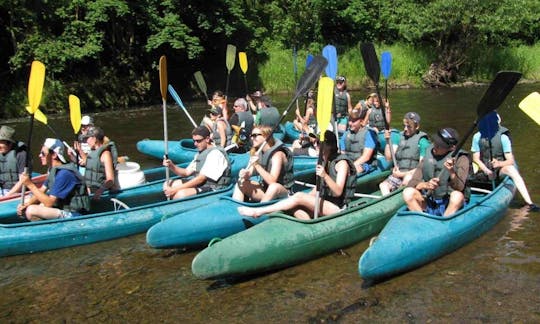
(272, 162)
(210, 169)
(438, 185)
(360, 142)
(338, 184)
(63, 195)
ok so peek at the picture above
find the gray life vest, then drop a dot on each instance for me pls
(350, 185)
(354, 144)
(488, 153)
(269, 116)
(432, 168)
(286, 176)
(225, 178)
(376, 118)
(408, 152)
(78, 200)
(95, 170)
(342, 106)
(9, 175)
(215, 132)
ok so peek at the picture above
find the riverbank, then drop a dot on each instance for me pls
(409, 65)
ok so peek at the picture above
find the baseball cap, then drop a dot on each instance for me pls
(56, 146)
(215, 110)
(201, 131)
(445, 138)
(412, 116)
(87, 120)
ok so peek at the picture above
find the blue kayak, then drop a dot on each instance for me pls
(112, 223)
(219, 219)
(412, 239)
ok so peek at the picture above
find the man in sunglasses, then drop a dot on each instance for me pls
(210, 169)
(63, 195)
(438, 184)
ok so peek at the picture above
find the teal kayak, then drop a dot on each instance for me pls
(283, 240)
(412, 239)
(112, 223)
(197, 227)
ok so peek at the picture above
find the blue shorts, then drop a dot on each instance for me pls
(367, 167)
(436, 206)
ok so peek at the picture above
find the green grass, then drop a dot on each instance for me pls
(408, 65)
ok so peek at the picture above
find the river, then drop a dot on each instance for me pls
(496, 278)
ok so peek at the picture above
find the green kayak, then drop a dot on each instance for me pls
(283, 241)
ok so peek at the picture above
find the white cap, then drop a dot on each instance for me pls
(87, 120)
(56, 146)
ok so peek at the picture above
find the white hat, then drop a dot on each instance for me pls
(57, 147)
(87, 120)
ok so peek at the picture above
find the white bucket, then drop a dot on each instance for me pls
(129, 174)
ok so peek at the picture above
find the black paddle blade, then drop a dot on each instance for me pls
(371, 62)
(498, 90)
(310, 75)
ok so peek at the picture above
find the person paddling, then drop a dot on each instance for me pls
(495, 158)
(338, 176)
(435, 192)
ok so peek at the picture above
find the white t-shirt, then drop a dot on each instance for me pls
(213, 167)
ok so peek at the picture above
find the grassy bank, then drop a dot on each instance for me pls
(408, 65)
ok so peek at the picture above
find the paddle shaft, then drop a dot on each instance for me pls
(176, 98)
(371, 64)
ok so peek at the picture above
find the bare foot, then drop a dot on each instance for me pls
(248, 211)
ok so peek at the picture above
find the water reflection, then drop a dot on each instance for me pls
(494, 279)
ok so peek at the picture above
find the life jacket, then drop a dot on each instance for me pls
(95, 170)
(269, 116)
(286, 176)
(376, 118)
(9, 175)
(350, 185)
(228, 132)
(488, 153)
(78, 200)
(341, 102)
(241, 134)
(354, 144)
(408, 152)
(432, 169)
(225, 178)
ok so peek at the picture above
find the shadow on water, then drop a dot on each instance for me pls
(494, 279)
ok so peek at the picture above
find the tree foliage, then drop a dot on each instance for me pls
(106, 51)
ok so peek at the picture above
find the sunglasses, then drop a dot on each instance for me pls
(43, 154)
(447, 137)
(198, 140)
(255, 135)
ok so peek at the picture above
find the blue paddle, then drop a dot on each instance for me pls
(176, 98)
(309, 58)
(386, 68)
(330, 54)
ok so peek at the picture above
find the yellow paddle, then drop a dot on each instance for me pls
(325, 95)
(242, 58)
(75, 113)
(531, 106)
(35, 90)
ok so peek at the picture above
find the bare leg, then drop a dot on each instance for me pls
(414, 200)
(513, 173)
(275, 190)
(455, 203)
(384, 187)
(182, 193)
(40, 212)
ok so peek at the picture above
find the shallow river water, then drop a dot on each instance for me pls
(496, 278)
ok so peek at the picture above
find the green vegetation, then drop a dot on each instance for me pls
(106, 51)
